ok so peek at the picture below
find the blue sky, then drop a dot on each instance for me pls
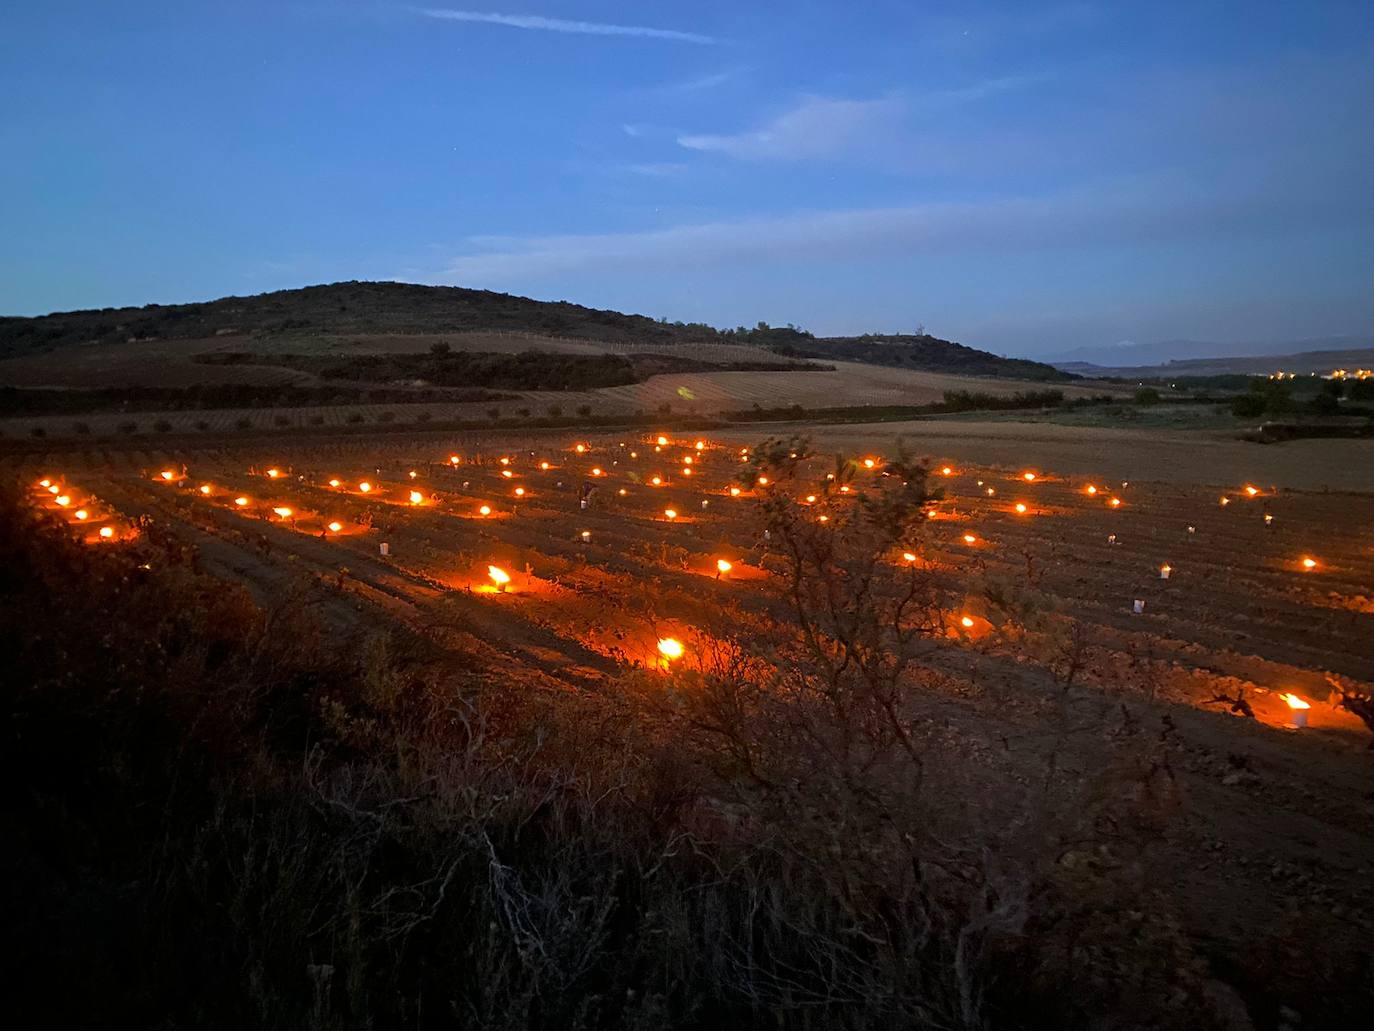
(1026, 177)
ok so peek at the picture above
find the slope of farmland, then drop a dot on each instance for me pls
(694, 393)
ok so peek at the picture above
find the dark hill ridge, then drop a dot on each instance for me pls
(403, 308)
(341, 308)
(921, 351)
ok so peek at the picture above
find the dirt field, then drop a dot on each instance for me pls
(1275, 824)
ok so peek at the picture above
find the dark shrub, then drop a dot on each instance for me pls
(1147, 396)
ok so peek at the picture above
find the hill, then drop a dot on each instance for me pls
(344, 312)
(922, 352)
(340, 309)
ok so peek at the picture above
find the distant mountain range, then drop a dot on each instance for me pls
(1321, 362)
(1130, 355)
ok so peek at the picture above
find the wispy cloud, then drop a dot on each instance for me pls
(585, 28)
(818, 127)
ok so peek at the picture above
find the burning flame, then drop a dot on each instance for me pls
(1115, 502)
(484, 510)
(670, 648)
(335, 527)
(1028, 477)
(966, 622)
(333, 483)
(205, 489)
(544, 466)
(271, 473)
(519, 492)
(453, 459)
(701, 445)
(416, 497)
(167, 474)
(662, 441)
(734, 492)
(1092, 489)
(81, 513)
(656, 481)
(909, 556)
(63, 500)
(506, 461)
(1020, 508)
(669, 513)
(946, 471)
(596, 470)
(365, 487)
(283, 511)
(1294, 702)
(45, 482)
(722, 566)
(240, 501)
(1252, 491)
(498, 576)
(1309, 563)
(106, 532)
(869, 463)
(507, 473)
(581, 448)
(970, 539)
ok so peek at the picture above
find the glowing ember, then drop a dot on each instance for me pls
(335, 527)
(686, 459)
(484, 510)
(909, 556)
(869, 463)
(544, 466)
(1294, 702)
(63, 500)
(1092, 489)
(1115, 502)
(453, 459)
(581, 448)
(763, 481)
(946, 471)
(810, 499)
(106, 532)
(734, 492)
(416, 497)
(1252, 491)
(498, 576)
(970, 539)
(507, 473)
(966, 623)
(622, 492)
(1020, 508)
(596, 471)
(283, 511)
(1309, 563)
(45, 483)
(205, 488)
(271, 473)
(722, 566)
(1225, 500)
(519, 492)
(656, 481)
(365, 487)
(670, 648)
(167, 474)
(669, 513)
(991, 492)
(333, 483)
(586, 535)
(686, 470)
(54, 489)
(701, 445)
(662, 441)
(1028, 477)
(506, 461)
(823, 519)
(240, 501)
(81, 513)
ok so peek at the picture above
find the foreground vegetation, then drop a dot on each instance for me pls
(223, 818)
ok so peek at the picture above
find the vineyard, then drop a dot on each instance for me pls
(1071, 616)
